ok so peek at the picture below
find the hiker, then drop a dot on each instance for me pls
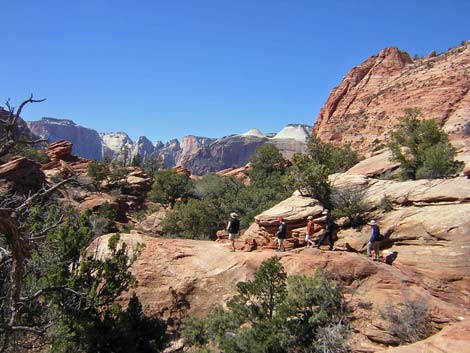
(309, 232)
(281, 234)
(374, 241)
(233, 229)
(330, 227)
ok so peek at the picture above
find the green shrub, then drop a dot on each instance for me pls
(310, 178)
(276, 313)
(422, 149)
(168, 186)
(99, 170)
(196, 219)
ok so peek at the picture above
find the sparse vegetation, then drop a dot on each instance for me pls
(349, 201)
(386, 204)
(409, 322)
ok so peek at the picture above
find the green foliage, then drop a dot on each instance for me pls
(196, 219)
(153, 163)
(70, 293)
(309, 172)
(311, 178)
(168, 186)
(118, 170)
(194, 332)
(409, 322)
(273, 313)
(27, 151)
(349, 201)
(335, 159)
(136, 160)
(267, 167)
(99, 170)
(422, 149)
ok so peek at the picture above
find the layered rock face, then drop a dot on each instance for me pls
(86, 142)
(365, 107)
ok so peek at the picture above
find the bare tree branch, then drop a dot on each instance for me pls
(21, 106)
(10, 125)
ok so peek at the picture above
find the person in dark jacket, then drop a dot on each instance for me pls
(281, 234)
(233, 229)
(374, 241)
(330, 227)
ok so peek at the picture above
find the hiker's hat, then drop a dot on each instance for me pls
(372, 223)
(280, 219)
(234, 215)
(310, 217)
(325, 211)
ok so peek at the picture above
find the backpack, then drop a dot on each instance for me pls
(234, 226)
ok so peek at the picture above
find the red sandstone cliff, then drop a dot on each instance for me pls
(365, 107)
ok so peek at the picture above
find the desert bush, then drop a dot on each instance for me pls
(349, 201)
(99, 170)
(195, 219)
(276, 313)
(267, 167)
(386, 204)
(336, 159)
(168, 186)
(423, 150)
(409, 322)
(310, 178)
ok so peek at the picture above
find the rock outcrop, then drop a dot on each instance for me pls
(62, 160)
(178, 277)
(365, 107)
(21, 175)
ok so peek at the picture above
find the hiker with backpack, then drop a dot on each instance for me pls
(374, 241)
(330, 228)
(233, 229)
(281, 234)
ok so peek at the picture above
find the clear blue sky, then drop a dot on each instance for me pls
(167, 69)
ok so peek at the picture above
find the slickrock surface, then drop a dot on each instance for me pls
(364, 108)
(429, 226)
(187, 277)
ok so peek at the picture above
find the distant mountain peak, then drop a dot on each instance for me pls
(57, 121)
(298, 132)
(254, 132)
